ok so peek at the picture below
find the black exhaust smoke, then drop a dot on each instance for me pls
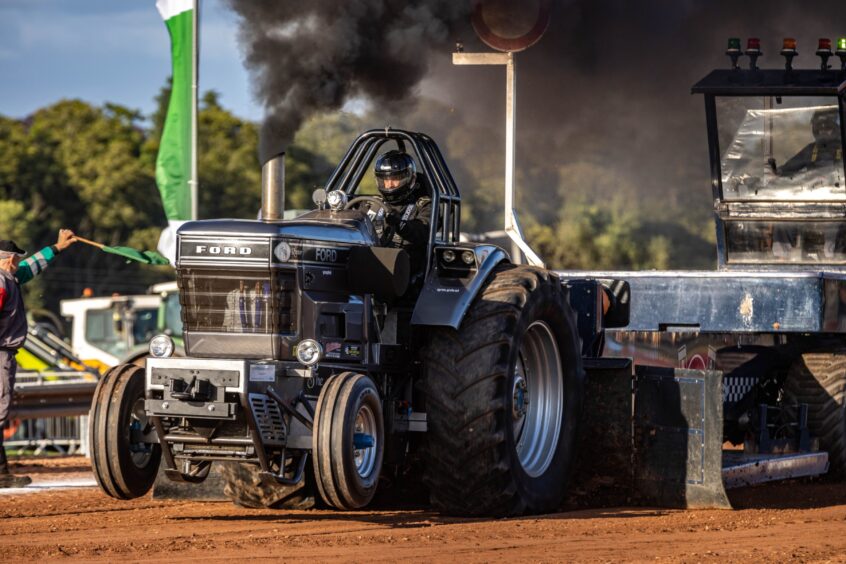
(605, 73)
(316, 55)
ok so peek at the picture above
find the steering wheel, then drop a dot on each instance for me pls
(375, 203)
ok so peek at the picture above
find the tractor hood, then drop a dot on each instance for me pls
(253, 241)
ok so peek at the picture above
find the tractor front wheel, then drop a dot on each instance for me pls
(124, 455)
(348, 441)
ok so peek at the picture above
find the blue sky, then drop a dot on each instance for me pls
(109, 50)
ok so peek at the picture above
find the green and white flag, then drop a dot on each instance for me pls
(174, 164)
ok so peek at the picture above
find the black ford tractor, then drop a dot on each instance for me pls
(314, 361)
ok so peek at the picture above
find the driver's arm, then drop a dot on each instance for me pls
(416, 230)
(797, 162)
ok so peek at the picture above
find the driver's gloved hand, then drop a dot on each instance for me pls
(392, 219)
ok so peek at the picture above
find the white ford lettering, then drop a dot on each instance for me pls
(203, 249)
(326, 255)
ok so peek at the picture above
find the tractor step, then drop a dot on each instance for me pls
(741, 469)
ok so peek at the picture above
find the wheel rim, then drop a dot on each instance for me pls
(140, 452)
(537, 399)
(365, 458)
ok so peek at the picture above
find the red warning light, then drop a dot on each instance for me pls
(824, 52)
(753, 51)
(789, 44)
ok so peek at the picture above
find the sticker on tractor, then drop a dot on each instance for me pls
(262, 373)
(333, 350)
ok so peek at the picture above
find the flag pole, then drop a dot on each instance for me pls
(195, 54)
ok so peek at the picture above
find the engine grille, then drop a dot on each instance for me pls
(223, 301)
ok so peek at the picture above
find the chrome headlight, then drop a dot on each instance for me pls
(161, 346)
(309, 352)
(336, 199)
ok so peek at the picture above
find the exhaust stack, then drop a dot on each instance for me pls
(273, 188)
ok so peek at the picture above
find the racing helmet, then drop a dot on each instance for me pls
(825, 125)
(396, 174)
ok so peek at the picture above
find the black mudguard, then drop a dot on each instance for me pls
(445, 299)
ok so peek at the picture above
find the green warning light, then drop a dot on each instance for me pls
(734, 43)
(841, 44)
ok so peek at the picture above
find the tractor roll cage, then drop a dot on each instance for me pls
(446, 200)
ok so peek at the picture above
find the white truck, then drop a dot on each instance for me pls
(112, 330)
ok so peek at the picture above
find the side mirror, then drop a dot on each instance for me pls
(319, 197)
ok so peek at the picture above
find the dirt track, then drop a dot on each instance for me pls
(796, 521)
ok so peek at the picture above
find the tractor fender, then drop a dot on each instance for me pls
(447, 293)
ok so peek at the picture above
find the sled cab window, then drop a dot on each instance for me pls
(781, 149)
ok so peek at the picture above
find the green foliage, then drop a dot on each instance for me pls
(229, 175)
(91, 169)
(617, 236)
(13, 218)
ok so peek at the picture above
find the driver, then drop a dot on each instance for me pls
(408, 207)
(826, 148)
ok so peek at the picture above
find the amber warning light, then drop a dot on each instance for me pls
(788, 51)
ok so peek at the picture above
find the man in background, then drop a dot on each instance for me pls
(14, 271)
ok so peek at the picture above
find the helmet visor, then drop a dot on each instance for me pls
(391, 181)
(825, 126)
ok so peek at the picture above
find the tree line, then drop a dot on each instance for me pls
(91, 169)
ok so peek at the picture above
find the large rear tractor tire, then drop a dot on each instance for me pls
(503, 396)
(819, 380)
(245, 488)
(124, 458)
(348, 441)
